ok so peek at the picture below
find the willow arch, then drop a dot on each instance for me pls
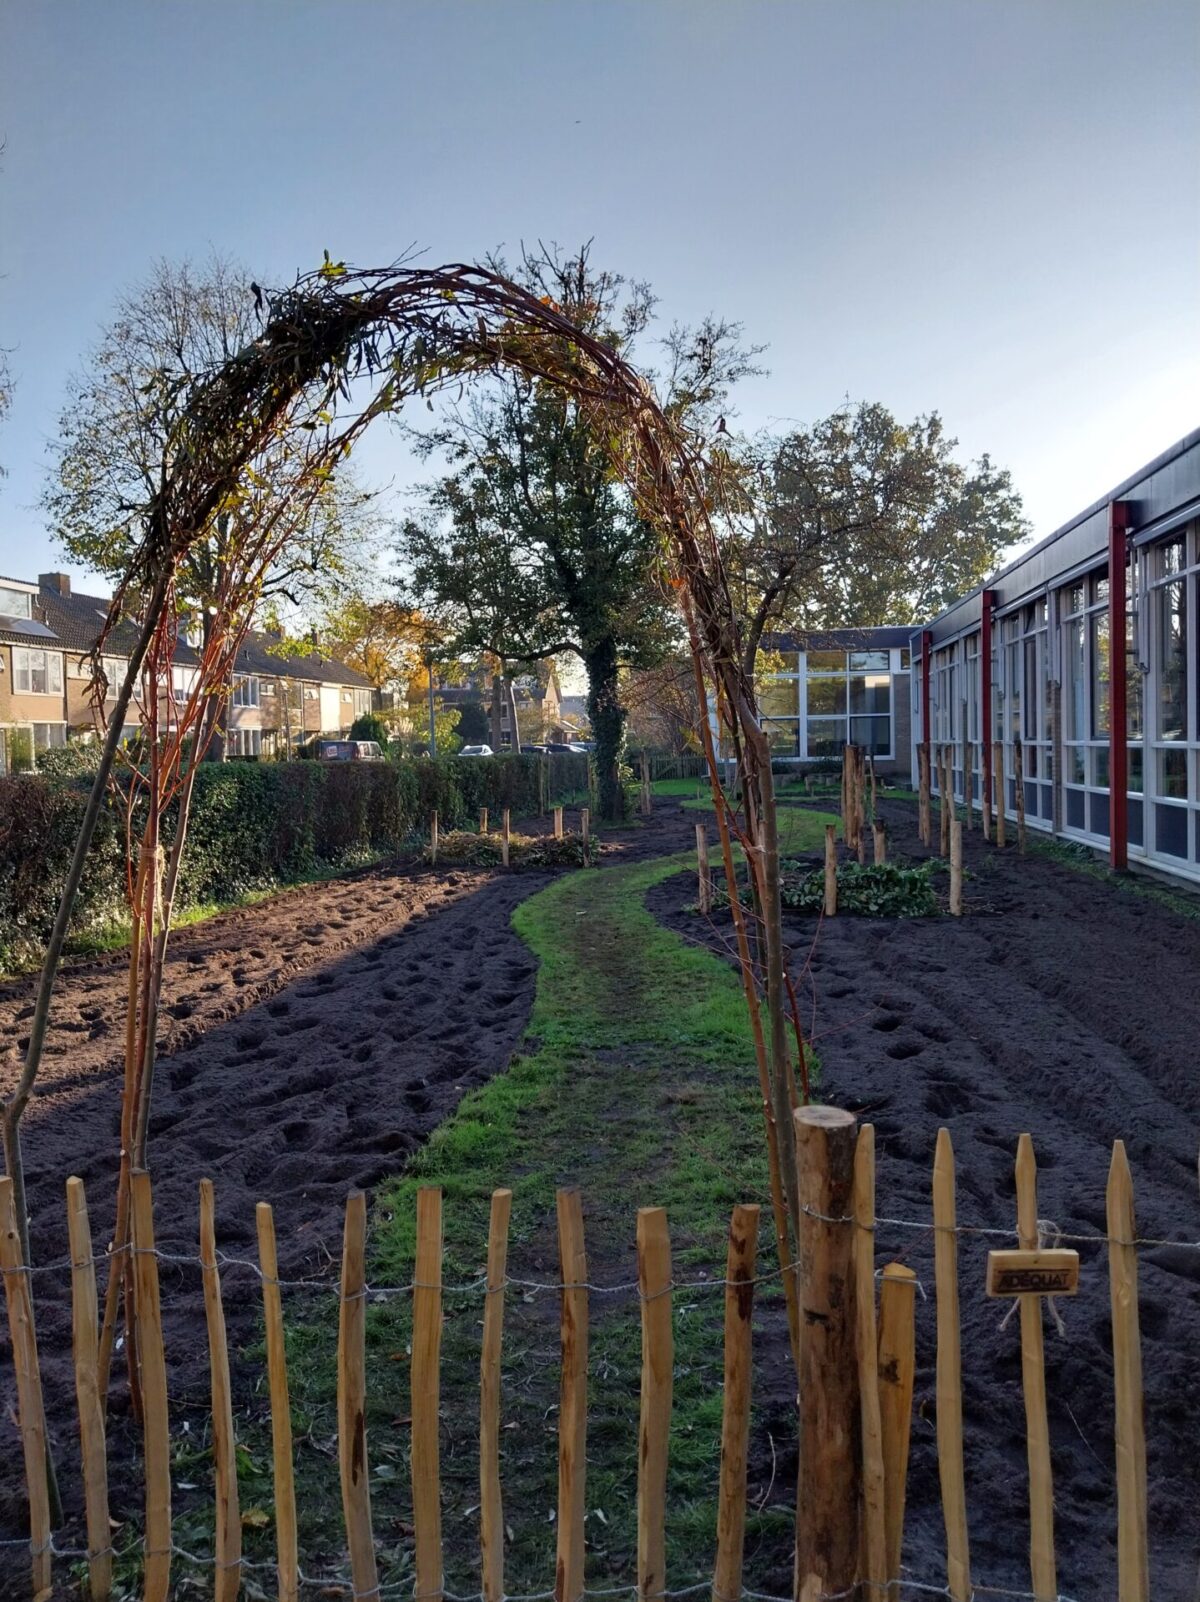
(405, 332)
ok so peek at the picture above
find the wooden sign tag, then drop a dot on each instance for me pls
(1044, 1273)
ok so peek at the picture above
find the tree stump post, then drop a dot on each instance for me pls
(829, 1491)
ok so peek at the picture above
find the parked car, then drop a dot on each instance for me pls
(350, 751)
(476, 750)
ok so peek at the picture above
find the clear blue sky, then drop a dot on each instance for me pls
(992, 209)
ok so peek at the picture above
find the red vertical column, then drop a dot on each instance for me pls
(1118, 725)
(987, 600)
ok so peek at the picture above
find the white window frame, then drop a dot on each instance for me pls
(246, 690)
(52, 665)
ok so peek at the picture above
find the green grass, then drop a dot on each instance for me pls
(637, 1083)
(800, 828)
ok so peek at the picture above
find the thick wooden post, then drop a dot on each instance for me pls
(433, 839)
(830, 870)
(286, 1539)
(969, 782)
(703, 872)
(873, 1479)
(956, 868)
(946, 786)
(1019, 784)
(880, 834)
(425, 1394)
(647, 799)
(860, 785)
(505, 836)
(1001, 797)
(897, 1367)
(735, 1416)
(85, 1335)
(585, 831)
(1133, 1569)
(558, 823)
(828, 1493)
(924, 827)
(157, 1448)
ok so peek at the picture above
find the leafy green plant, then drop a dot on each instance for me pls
(886, 890)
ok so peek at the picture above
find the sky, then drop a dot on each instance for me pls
(991, 210)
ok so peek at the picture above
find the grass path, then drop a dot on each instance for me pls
(637, 1084)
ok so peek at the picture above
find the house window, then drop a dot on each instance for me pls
(847, 701)
(14, 603)
(37, 672)
(245, 742)
(362, 702)
(245, 691)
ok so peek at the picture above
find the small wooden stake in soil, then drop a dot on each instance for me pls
(227, 1571)
(946, 797)
(1001, 796)
(572, 1409)
(654, 1429)
(924, 826)
(558, 823)
(703, 872)
(830, 871)
(483, 820)
(352, 1399)
(29, 1387)
(433, 839)
(426, 1392)
(647, 799)
(956, 869)
(880, 834)
(735, 1416)
(1019, 785)
(985, 792)
(286, 1541)
(873, 1479)
(1133, 1571)
(491, 1502)
(949, 1372)
(897, 1365)
(860, 830)
(585, 831)
(505, 836)
(969, 783)
(157, 1448)
(85, 1334)
(1033, 1376)
(827, 1496)
(874, 791)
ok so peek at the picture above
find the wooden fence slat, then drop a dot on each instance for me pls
(491, 1501)
(1033, 1376)
(352, 1398)
(1133, 1563)
(227, 1576)
(897, 1366)
(654, 1428)
(572, 1410)
(735, 1413)
(286, 1539)
(157, 1450)
(29, 1387)
(426, 1394)
(827, 1513)
(873, 1504)
(949, 1372)
(85, 1347)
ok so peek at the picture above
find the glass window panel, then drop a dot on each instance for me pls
(1075, 764)
(1171, 830)
(826, 737)
(1099, 761)
(1099, 588)
(905, 659)
(1135, 770)
(872, 692)
(1075, 596)
(1098, 814)
(1172, 661)
(869, 662)
(826, 696)
(1134, 688)
(873, 734)
(1173, 774)
(826, 661)
(1100, 674)
(1077, 681)
(1074, 800)
(14, 603)
(1170, 557)
(779, 698)
(1029, 725)
(1135, 823)
(783, 735)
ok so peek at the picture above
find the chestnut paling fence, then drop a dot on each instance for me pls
(855, 1397)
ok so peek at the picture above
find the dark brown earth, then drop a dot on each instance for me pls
(1068, 1007)
(311, 1042)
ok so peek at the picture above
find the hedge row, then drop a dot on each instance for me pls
(253, 826)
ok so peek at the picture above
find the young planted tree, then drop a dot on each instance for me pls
(862, 520)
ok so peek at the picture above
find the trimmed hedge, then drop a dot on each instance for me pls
(254, 826)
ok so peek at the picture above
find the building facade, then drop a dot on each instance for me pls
(1082, 660)
(836, 688)
(47, 633)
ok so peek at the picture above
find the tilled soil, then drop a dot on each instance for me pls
(310, 1043)
(1070, 1008)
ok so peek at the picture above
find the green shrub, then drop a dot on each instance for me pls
(370, 726)
(888, 890)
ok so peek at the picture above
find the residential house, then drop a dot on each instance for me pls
(47, 633)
